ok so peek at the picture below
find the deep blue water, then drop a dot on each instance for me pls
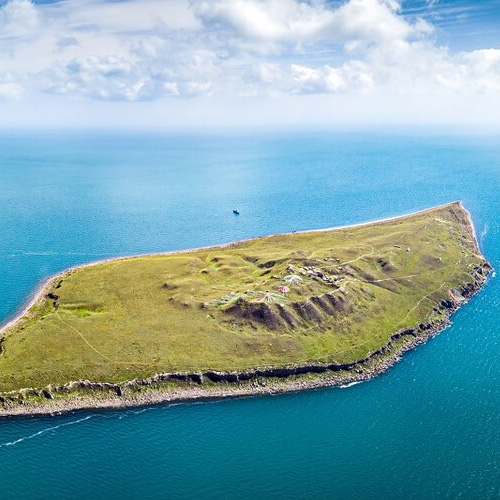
(427, 429)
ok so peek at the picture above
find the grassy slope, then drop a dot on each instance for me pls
(117, 320)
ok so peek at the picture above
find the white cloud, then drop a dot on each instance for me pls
(482, 67)
(317, 81)
(10, 88)
(265, 21)
(353, 76)
(268, 25)
(18, 18)
(359, 22)
(153, 66)
(11, 91)
(405, 69)
(115, 78)
(232, 51)
(108, 78)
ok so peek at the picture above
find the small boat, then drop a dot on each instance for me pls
(236, 212)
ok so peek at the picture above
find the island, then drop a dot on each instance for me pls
(272, 314)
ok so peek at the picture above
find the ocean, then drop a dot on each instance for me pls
(428, 429)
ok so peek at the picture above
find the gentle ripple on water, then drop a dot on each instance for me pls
(427, 429)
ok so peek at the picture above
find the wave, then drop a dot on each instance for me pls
(350, 384)
(483, 233)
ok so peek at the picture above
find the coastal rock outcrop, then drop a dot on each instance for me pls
(317, 310)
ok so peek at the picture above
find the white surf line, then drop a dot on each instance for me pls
(351, 384)
(44, 431)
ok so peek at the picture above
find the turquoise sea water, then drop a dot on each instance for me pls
(427, 429)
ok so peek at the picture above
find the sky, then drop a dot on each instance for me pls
(189, 64)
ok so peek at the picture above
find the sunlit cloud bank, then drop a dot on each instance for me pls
(168, 62)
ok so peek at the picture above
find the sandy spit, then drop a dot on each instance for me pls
(41, 291)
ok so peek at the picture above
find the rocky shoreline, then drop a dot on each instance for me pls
(171, 387)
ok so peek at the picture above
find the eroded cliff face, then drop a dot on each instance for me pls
(360, 296)
(293, 314)
(362, 369)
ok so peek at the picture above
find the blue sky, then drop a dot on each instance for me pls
(234, 63)
(460, 24)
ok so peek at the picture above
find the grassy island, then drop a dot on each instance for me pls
(265, 315)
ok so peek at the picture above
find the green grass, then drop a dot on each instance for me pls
(200, 310)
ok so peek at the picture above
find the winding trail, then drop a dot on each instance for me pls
(359, 257)
(82, 337)
(95, 348)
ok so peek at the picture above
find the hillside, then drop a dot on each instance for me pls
(331, 297)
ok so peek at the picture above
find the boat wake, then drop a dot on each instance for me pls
(44, 431)
(45, 254)
(119, 416)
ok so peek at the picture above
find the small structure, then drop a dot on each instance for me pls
(284, 289)
(293, 279)
(269, 297)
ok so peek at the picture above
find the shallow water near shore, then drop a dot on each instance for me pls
(429, 428)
